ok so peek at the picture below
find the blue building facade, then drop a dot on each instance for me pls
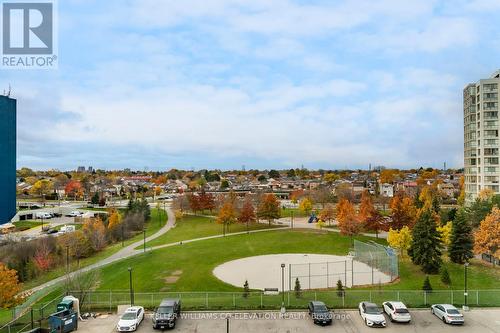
(7, 159)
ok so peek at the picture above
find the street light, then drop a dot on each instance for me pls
(131, 289)
(465, 307)
(282, 287)
(144, 233)
(292, 219)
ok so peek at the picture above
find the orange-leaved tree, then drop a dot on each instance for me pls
(269, 208)
(348, 221)
(404, 212)
(247, 212)
(9, 288)
(327, 213)
(227, 215)
(487, 236)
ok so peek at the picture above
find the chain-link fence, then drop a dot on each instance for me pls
(108, 301)
(31, 317)
(379, 257)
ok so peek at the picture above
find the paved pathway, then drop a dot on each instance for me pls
(126, 252)
(302, 222)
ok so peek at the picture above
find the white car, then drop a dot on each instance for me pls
(397, 311)
(447, 313)
(131, 319)
(67, 228)
(371, 314)
(75, 213)
(43, 215)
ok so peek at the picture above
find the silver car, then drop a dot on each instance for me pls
(447, 313)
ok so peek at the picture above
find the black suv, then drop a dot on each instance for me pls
(166, 314)
(320, 313)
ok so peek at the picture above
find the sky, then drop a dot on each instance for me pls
(155, 85)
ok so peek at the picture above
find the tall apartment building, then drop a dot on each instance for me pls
(7, 159)
(481, 140)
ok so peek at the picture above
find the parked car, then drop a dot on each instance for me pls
(43, 215)
(75, 213)
(397, 311)
(320, 313)
(447, 313)
(166, 314)
(52, 231)
(67, 228)
(371, 314)
(130, 319)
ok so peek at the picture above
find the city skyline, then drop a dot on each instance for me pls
(234, 84)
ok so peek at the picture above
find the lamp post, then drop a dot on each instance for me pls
(144, 234)
(292, 219)
(465, 307)
(131, 289)
(282, 288)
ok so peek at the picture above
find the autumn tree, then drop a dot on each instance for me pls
(43, 258)
(327, 213)
(227, 215)
(269, 208)
(347, 220)
(445, 233)
(9, 288)
(247, 212)
(403, 211)
(114, 219)
(194, 202)
(74, 189)
(487, 236)
(388, 176)
(425, 249)
(400, 239)
(330, 178)
(306, 206)
(42, 188)
(322, 196)
(95, 232)
(461, 239)
(206, 201)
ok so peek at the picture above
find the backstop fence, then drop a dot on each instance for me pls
(379, 257)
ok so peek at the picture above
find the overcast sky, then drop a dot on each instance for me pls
(265, 84)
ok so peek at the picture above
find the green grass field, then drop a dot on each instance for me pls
(28, 224)
(190, 227)
(197, 260)
(156, 223)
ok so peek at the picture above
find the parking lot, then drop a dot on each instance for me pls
(483, 320)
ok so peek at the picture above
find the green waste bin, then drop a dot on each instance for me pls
(65, 304)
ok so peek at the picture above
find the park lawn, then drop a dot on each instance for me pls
(192, 226)
(287, 212)
(198, 259)
(28, 224)
(156, 223)
(480, 276)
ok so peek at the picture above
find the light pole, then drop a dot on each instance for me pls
(282, 288)
(465, 286)
(131, 289)
(144, 233)
(292, 219)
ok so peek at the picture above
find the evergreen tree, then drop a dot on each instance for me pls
(461, 242)
(340, 288)
(425, 249)
(297, 288)
(246, 289)
(445, 276)
(427, 285)
(95, 199)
